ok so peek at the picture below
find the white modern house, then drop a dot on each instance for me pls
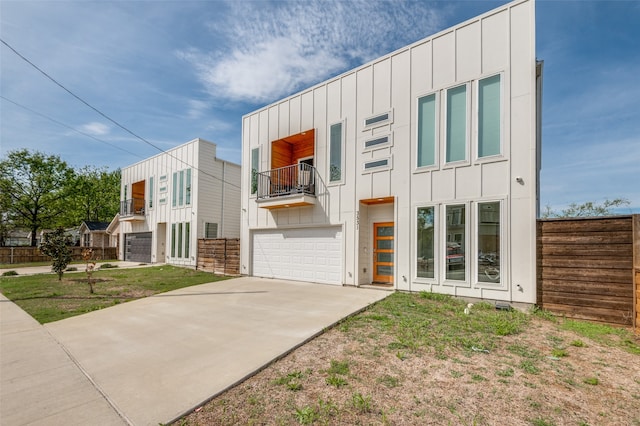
(170, 200)
(418, 170)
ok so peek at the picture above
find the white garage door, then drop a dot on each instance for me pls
(313, 254)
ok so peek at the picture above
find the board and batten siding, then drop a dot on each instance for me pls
(206, 196)
(502, 42)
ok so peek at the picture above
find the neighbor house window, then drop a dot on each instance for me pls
(335, 153)
(179, 243)
(210, 230)
(187, 231)
(255, 161)
(173, 240)
(174, 193)
(456, 230)
(181, 188)
(427, 131)
(151, 192)
(425, 242)
(489, 233)
(456, 141)
(188, 188)
(489, 116)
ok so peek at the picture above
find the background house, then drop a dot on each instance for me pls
(418, 170)
(94, 234)
(170, 200)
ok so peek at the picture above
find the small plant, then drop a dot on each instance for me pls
(529, 367)
(543, 314)
(478, 378)
(9, 274)
(401, 355)
(56, 246)
(456, 374)
(559, 353)
(389, 381)
(508, 372)
(306, 415)
(541, 422)
(294, 386)
(593, 381)
(87, 256)
(327, 408)
(108, 266)
(339, 367)
(291, 381)
(578, 343)
(361, 403)
(336, 381)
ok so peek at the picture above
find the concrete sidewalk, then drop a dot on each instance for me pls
(157, 358)
(46, 269)
(39, 383)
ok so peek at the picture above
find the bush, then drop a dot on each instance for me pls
(9, 274)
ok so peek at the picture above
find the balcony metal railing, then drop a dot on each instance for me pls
(296, 179)
(132, 207)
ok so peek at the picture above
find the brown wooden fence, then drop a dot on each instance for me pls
(219, 255)
(586, 268)
(636, 266)
(12, 255)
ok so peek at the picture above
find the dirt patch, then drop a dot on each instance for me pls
(544, 375)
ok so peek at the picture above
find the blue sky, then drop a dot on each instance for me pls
(171, 71)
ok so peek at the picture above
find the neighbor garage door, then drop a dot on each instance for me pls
(313, 254)
(137, 247)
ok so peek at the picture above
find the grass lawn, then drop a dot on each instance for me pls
(47, 299)
(418, 359)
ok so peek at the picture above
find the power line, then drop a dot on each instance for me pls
(67, 126)
(109, 118)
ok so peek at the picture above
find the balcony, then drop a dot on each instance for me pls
(132, 210)
(289, 186)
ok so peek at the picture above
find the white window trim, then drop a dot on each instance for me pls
(476, 124)
(342, 154)
(443, 246)
(387, 121)
(449, 164)
(420, 169)
(504, 253)
(387, 144)
(436, 244)
(388, 166)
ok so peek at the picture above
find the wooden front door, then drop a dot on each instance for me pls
(383, 242)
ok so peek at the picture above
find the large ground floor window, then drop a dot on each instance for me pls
(459, 242)
(180, 240)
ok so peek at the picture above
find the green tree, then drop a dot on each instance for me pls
(37, 186)
(587, 209)
(56, 245)
(96, 195)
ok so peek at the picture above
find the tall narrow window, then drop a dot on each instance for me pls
(456, 143)
(179, 240)
(489, 114)
(425, 241)
(255, 161)
(173, 240)
(151, 192)
(456, 241)
(335, 153)
(187, 240)
(188, 188)
(427, 131)
(181, 188)
(489, 231)
(174, 193)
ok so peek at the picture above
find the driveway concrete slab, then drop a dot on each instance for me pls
(39, 383)
(158, 358)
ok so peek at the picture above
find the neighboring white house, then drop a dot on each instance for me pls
(172, 199)
(418, 170)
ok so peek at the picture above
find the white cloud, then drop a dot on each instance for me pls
(271, 52)
(96, 129)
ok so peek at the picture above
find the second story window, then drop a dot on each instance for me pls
(456, 140)
(255, 162)
(426, 131)
(489, 116)
(181, 186)
(335, 153)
